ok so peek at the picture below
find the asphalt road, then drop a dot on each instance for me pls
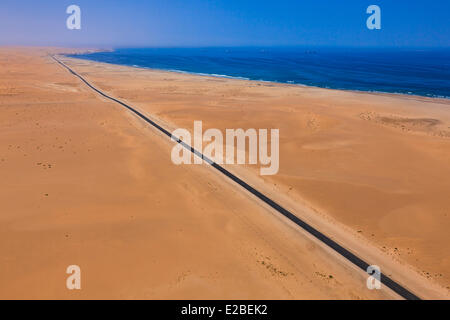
(387, 281)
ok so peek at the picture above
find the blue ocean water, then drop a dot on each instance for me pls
(418, 72)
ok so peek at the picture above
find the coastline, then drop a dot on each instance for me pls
(374, 91)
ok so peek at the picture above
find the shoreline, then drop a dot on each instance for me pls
(375, 92)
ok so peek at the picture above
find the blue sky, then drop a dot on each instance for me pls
(132, 23)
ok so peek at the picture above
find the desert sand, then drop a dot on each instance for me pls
(85, 182)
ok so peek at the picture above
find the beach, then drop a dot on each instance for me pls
(86, 182)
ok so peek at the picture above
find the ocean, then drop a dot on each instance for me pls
(418, 72)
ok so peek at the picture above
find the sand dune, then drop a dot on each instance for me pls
(358, 160)
(84, 182)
